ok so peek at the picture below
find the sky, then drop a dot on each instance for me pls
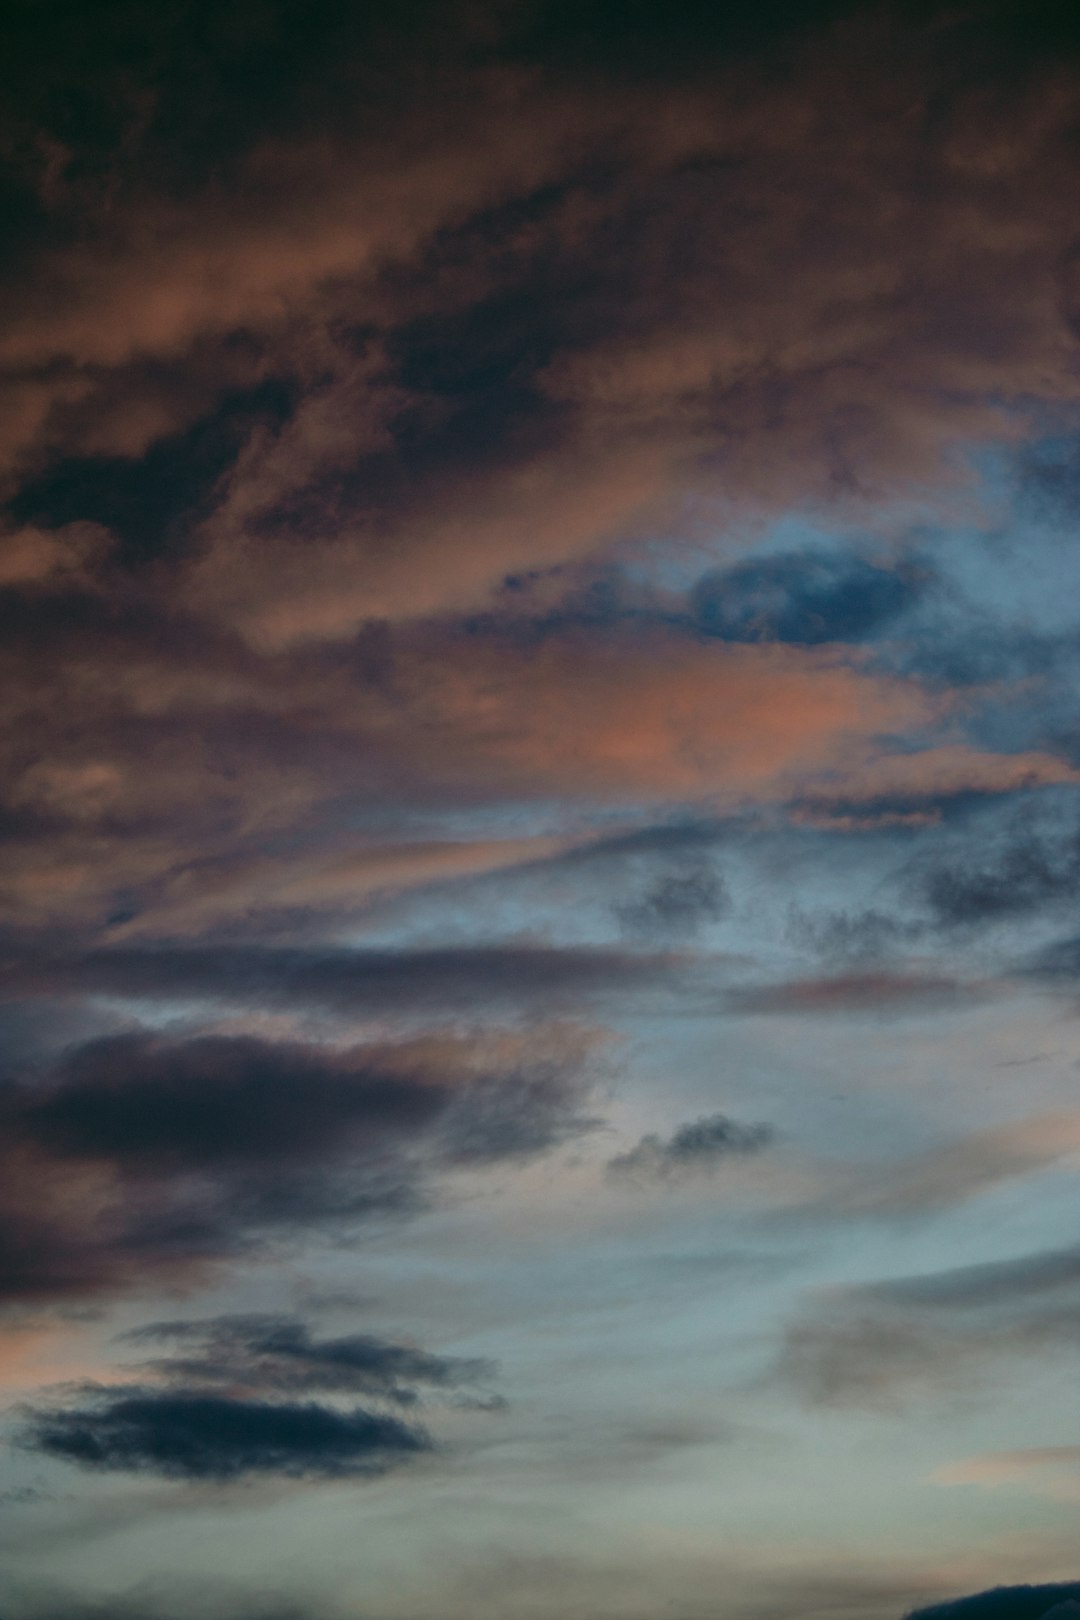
(539, 966)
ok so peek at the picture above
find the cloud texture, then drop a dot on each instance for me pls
(537, 598)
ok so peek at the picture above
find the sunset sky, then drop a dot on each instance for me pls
(541, 807)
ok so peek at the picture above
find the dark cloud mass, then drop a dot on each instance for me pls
(213, 1437)
(139, 1155)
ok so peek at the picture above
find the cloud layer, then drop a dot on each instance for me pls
(225, 1406)
(537, 562)
(141, 1157)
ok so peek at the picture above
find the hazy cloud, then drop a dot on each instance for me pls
(915, 1339)
(678, 902)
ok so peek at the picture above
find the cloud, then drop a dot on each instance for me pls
(697, 1148)
(360, 980)
(197, 1436)
(520, 323)
(804, 597)
(911, 1340)
(909, 788)
(1056, 963)
(879, 993)
(1047, 1471)
(1060, 1599)
(651, 715)
(224, 1406)
(679, 901)
(277, 1354)
(164, 779)
(922, 1184)
(345, 359)
(140, 1157)
(1022, 872)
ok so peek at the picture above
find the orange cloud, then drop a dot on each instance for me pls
(785, 291)
(652, 715)
(927, 774)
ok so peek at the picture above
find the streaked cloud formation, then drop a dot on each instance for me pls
(539, 784)
(188, 1152)
(208, 1418)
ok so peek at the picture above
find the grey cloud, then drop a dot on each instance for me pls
(867, 936)
(677, 902)
(1025, 872)
(696, 1148)
(995, 866)
(224, 1405)
(199, 1436)
(277, 1354)
(979, 1287)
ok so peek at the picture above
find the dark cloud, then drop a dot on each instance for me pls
(224, 1406)
(277, 1354)
(199, 1436)
(150, 504)
(1025, 871)
(152, 1106)
(677, 902)
(1061, 1598)
(697, 1148)
(984, 865)
(915, 1339)
(514, 300)
(358, 980)
(804, 597)
(139, 1156)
